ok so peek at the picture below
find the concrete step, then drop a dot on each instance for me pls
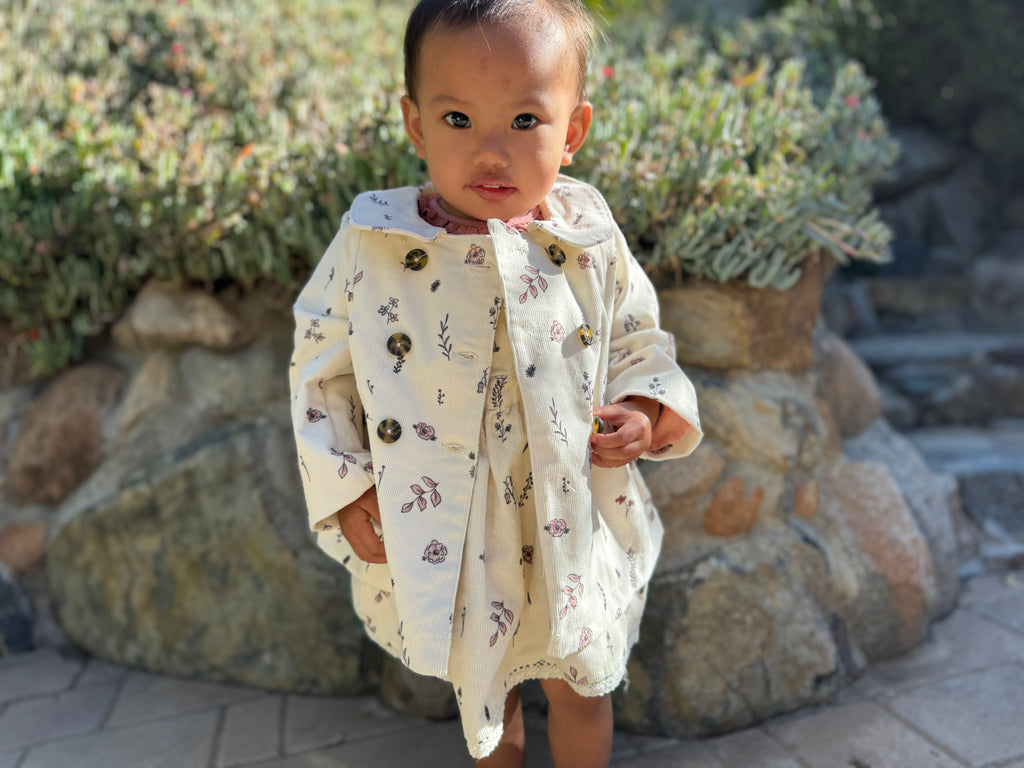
(988, 464)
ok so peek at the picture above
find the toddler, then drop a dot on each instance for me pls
(452, 351)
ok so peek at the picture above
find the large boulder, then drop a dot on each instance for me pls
(199, 566)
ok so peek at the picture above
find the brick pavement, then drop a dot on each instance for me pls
(957, 701)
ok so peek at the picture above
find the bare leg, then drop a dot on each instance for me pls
(511, 750)
(579, 727)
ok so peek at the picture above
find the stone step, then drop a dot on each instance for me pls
(989, 468)
(887, 350)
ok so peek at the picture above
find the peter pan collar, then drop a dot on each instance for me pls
(575, 213)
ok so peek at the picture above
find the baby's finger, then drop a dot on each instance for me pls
(365, 541)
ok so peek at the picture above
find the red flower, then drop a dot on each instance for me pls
(34, 334)
(608, 71)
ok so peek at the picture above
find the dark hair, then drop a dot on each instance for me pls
(573, 18)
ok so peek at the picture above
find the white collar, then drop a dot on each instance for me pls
(575, 213)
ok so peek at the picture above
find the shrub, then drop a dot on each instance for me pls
(191, 142)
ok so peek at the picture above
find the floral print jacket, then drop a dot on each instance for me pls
(394, 336)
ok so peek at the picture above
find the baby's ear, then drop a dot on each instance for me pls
(413, 125)
(576, 134)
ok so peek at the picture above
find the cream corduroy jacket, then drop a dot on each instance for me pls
(394, 336)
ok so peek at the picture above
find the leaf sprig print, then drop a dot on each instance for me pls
(503, 617)
(533, 280)
(445, 344)
(420, 500)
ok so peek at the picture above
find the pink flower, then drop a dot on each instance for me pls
(177, 49)
(435, 552)
(608, 71)
(313, 415)
(852, 101)
(585, 260)
(557, 331)
(424, 431)
(585, 637)
(557, 528)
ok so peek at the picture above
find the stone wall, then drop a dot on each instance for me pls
(151, 513)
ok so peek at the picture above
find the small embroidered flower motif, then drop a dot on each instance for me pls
(501, 615)
(585, 260)
(617, 356)
(388, 310)
(531, 371)
(476, 255)
(424, 431)
(434, 286)
(557, 527)
(631, 324)
(655, 387)
(313, 332)
(435, 552)
(528, 553)
(313, 415)
(637, 360)
(585, 637)
(557, 331)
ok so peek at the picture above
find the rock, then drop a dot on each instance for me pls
(16, 618)
(201, 567)
(23, 545)
(846, 384)
(735, 638)
(880, 567)
(730, 512)
(729, 326)
(164, 316)
(919, 295)
(769, 418)
(930, 497)
(807, 499)
(416, 694)
(997, 285)
(153, 385)
(59, 443)
(847, 310)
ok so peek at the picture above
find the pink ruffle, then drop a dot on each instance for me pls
(432, 212)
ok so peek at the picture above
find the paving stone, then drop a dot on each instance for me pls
(1008, 612)
(991, 587)
(860, 734)
(36, 674)
(311, 722)
(35, 721)
(752, 748)
(691, 754)
(98, 672)
(185, 742)
(977, 716)
(251, 731)
(960, 644)
(146, 697)
(438, 745)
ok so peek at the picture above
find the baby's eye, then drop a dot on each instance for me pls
(524, 122)
(457, 120)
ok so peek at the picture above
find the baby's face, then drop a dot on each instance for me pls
(496, 117)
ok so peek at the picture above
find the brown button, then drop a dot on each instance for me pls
(586, 335)
(556, 254)
(399, 344)
(415, 260)
(389, 430)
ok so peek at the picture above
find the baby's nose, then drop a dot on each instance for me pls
(491, 152)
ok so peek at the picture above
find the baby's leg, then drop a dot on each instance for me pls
(510, 752)
(579, 727)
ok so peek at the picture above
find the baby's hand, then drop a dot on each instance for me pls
(356, 521)
(632, 419)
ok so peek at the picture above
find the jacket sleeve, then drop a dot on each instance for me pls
(642, 355)
(327, 415)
